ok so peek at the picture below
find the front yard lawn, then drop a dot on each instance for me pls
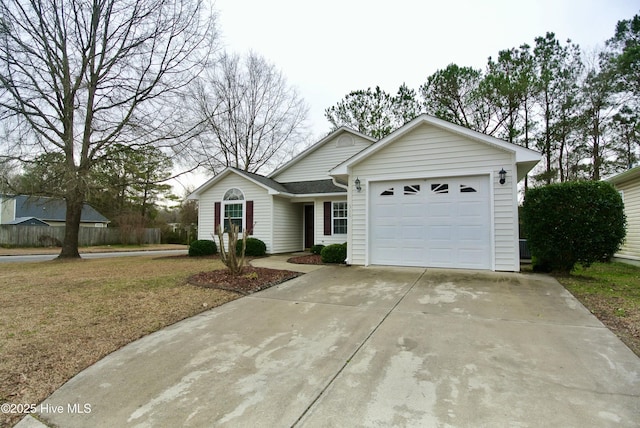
(59, 317)
(611, 291)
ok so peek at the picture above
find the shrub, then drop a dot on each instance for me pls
(317, 249)
(334, 253)
(171, 237)
(202, 247)
(255, 247)
(573, 222)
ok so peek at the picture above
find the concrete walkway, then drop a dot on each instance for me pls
(352, 346)
(279, 261)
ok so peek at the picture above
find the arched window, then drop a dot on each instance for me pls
(234, 195)
(233, 209)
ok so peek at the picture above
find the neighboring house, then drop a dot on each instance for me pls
(628, 184)
(42, 211)
(429, 194)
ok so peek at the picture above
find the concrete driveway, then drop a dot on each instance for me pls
(352, 346)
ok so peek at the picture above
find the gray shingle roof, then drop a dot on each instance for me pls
(51, 209)
(262, 179)
(27, 221)
(312, 187)
(296, 188)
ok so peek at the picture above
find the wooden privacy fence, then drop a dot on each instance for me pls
(47, 236)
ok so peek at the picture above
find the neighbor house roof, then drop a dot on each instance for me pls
(290, 189)
(27, 221)
(526, 157)
(629, 174)
(52, 209)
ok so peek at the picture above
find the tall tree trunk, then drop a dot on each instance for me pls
(547, 136)
(595, 153)
(74, 202)
(526, 139)
(561, 158)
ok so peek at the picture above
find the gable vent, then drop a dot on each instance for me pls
(345, 141)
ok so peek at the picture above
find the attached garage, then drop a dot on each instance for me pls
(437, 222)
(430, 194)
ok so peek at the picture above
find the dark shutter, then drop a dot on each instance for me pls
(216, 217)
(249, 217)
(327, 218)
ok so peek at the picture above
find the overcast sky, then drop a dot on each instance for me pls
(332, 47)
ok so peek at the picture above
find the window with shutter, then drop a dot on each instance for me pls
(327, 218)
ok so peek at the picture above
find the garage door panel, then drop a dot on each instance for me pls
(474, 234)
(415, 211)
(442, 210)
(471, 209)
(441, 222)
(386, 232)
(471, 258)
(413, 254)
(441, 257)
(440, 233)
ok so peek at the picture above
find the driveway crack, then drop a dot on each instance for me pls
(348, 360)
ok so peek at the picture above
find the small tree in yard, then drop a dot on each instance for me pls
(232, 259)
(573, 222)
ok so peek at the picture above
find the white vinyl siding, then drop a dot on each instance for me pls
(252, 192)
(631, 247)
(317, 164)
(287, 226)
(429, 152)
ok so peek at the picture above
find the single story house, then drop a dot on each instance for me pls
(430, 194)
(27, 210)
(628, 184)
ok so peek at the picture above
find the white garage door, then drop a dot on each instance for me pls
(443, 222)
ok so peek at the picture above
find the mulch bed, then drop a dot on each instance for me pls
(311, 259)
(251, 279)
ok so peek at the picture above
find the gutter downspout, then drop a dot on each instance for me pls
(344, 186)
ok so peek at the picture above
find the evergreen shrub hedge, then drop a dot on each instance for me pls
(334, 253)
(573, 222)
(202, 247)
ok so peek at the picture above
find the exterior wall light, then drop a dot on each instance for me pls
(358, 186)
(503, 176)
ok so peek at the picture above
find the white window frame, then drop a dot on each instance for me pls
(334, 217)
(228, 202)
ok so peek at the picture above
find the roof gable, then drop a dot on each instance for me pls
(627, 175)
(523, 155)
(290, 189)
(317, 149)
(266, 183)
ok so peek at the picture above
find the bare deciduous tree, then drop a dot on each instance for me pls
(253, 118)
(77, 77)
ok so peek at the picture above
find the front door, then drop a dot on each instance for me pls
(308, 226)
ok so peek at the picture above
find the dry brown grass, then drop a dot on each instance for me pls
(57, 318)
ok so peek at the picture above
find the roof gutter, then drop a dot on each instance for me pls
(344, 186)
